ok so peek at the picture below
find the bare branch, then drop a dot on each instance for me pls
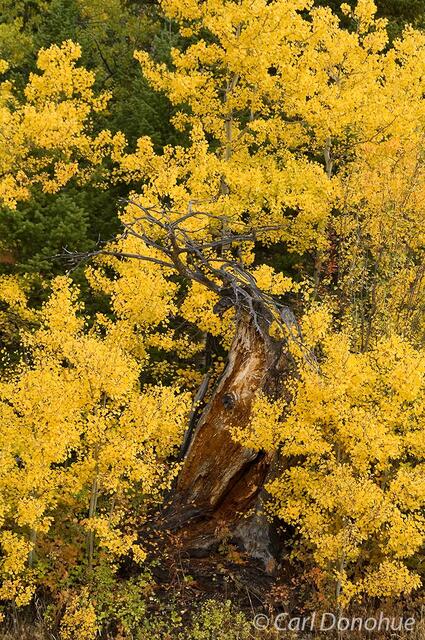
(209, 263)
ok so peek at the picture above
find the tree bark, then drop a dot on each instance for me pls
(219, 492)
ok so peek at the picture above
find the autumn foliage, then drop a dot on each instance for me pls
(300, 132)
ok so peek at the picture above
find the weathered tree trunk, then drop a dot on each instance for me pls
(221, 482)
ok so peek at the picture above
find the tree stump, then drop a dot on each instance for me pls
(220, 489)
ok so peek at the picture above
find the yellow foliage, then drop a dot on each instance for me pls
(45, 138)
(307, 134)
(357, 494)
(77, 430)
(79, 620)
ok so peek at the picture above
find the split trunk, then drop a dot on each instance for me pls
(220, 489)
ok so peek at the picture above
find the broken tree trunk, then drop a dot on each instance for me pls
(220, 486)
(220, 480)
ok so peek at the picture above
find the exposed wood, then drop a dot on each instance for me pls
(221, 482)
(7, 257)
(220, 489)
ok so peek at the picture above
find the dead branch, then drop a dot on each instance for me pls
(214, 264)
